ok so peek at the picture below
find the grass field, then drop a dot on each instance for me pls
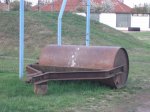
(72, 96)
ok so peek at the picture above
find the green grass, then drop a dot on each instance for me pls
(41, 29)
(143, 36)
(16, 96)
(66, 96)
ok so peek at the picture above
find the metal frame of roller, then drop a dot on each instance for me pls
(109, 65)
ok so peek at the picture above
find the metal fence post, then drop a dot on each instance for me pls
(59, 38)
(21, 48)
(88, 23)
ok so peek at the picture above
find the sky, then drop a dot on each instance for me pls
(132, 3)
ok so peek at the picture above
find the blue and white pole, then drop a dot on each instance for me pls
(59, 37)
(88, 23)
(21, 48)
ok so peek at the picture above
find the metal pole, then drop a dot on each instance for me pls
(21, 52)
(59, 38)
(88, 23)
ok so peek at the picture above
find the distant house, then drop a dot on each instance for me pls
(121, 17)
(3, 7)
(124, 17)
(73, 5)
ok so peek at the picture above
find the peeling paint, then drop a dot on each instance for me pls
(73, 63)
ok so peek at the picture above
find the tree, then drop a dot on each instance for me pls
(7, 2)
(28, 5)
(105, 6)
(142, 8)
(40, 3)
(16, 4)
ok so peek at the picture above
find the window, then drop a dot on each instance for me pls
(123, 20)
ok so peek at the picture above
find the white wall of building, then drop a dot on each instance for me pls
(81, 14)
(108, 19)
(136, 21)
(140, 21)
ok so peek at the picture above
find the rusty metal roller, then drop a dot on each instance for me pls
(101, 58)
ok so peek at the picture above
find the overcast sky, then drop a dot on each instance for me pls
(132, 3)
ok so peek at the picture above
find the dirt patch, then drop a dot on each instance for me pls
(144, 102)
(139, 103)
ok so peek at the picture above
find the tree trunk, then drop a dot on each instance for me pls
(8, 4)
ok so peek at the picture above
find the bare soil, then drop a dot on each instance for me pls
(139, 103)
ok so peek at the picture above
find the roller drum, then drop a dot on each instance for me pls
(93, 57)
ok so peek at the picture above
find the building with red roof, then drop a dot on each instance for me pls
(56, 5)
(73, 5)
(120, 16)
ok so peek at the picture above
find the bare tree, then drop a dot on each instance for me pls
(15, 5)
(40, 3)
(52, 5)
(8, 4)
(142, 8)
(107, 6)
(7, 1)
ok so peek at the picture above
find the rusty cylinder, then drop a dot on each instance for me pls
(93, 57)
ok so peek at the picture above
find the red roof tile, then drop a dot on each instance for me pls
(55, 6)
(72, 5)
(119, 7)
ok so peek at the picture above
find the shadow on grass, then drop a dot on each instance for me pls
(77, 87)
(11, 86)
